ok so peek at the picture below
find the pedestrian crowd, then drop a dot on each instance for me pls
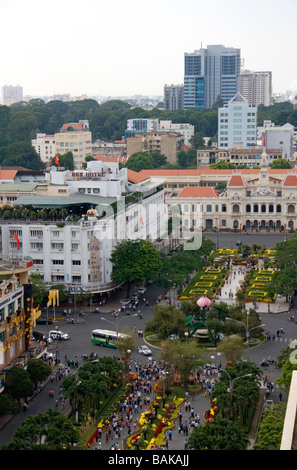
(124, 421)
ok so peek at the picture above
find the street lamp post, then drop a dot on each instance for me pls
(246, 326)
(117, 324)
(231, 382)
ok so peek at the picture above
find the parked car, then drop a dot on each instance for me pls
(44, 321)
(144, 350)
(134, 296)
(141, 290)
(58, 335)
(173, 337)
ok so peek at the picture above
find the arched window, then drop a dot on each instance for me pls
(263, 207)
(271, 208)
(235, 209)
(291, 209)
(248, 208)
(278, 208)
(235, 224)
(256, 208)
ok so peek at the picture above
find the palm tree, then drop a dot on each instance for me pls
(53, 212)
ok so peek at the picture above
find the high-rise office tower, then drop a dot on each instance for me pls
(173, 97)
(256, 87)
(210, 73)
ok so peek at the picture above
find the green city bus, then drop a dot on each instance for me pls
(106, 337)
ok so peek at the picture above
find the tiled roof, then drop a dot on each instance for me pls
(291, 180)
(198, 191)
(136, 177)
(76, 125)
(210, 172)
(8, 174)
(236, 180)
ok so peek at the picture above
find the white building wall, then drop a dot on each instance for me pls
(45, 146)
(237, 122)
(280, 137)
(187, 130)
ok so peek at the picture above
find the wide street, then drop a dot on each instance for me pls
(80, 343)
(229, 239)
(80, 335)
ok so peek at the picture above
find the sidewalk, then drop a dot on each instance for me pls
(232, 285)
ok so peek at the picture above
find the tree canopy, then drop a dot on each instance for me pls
(134, 262)
(21, 122)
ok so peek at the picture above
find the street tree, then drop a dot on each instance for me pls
(39, 291)
(18, 383)
(280, 163)
(139, 161)
(167, 320)
(38, 370)
(134, 261)
(185, 356)
(237, 391)
(271, 428)
(220, 434)
(45, 431)
(127, 343)
(232, 348)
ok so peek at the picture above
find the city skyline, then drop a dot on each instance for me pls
(118, 49)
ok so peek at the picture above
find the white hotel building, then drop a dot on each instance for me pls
(77, 252)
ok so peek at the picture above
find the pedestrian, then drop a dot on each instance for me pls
(170, 434)
(186, 442)
(280, 396)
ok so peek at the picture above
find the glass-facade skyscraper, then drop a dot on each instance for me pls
(209, 73)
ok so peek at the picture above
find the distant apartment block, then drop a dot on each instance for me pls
(166, 143)
(75, 138)
(237, 122)
(109, 149)
(237, 156)
(64, 97)
(187, 130)
(280, 137)
(209, 73)
(45, 146)
(11, 94)
(256, 87)
(140, 125)
(173, 97)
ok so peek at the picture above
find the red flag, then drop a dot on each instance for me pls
(17, 239)
(263, 140)
(141, 221)
(57, 159)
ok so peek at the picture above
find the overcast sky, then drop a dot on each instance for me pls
(127, 47)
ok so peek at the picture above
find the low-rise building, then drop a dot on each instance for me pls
(102, 206)
(45, 146)
(166, 143)
(75, 138)
(17, 315)
(252, 200)
(186, 129)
